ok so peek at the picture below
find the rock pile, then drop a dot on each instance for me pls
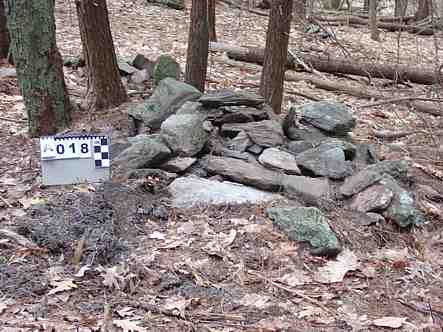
(235, 136)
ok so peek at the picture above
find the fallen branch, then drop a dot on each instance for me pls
(19, 239)
(390, 26)
(400, 100)
(393, 134)
(332, 64)
(253, 11)
(11, 120)
(293, 291)
(356, 91)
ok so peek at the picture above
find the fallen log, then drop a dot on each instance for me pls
(332, 64)
(360, 91)
(389, 26)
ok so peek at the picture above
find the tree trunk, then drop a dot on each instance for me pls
(331, 64)
(423, 10)
(400, 8)
(105, 89)
(275, 55)
(211, 20)
(4, 35)
(299, 11)
(39, 65)
(198, 43)
(373, 20)
(366, 6)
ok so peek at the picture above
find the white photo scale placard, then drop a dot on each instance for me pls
(70, 159)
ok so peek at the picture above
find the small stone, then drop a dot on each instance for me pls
(166, 66)
(324, 160)
(255, 149)
(142, 63)
(125, 68)
(297, 147)
(330, 117)
(240, 142)
(179, 164)
(373, 218)
(274, 158)
(312, 191)
(373, 199)
(267, 133)
(140, 76)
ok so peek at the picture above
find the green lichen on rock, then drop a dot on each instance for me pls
(166, 66)
(306, 224)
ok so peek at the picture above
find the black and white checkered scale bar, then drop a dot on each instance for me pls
(100, 150)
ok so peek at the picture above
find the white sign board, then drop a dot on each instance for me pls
(75, 159)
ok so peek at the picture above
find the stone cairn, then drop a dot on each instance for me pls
(228, 147)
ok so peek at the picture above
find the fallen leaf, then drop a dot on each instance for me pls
(128, 325)
(61, 286)
(254, 300)
(157, 236)
(309, 311)
(335, 271)
(297, 278)
(3, 307)
(125, 312)
(81, 272)
(393, 254)
(392, 322)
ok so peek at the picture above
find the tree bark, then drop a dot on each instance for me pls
(275, 54)
(198, 43)
(400, 8)
(299, 11)
(39, 65)
(105, 89)
(4, 34)
(423, 10)
(212, 20)
(373, 20)
(330, 64)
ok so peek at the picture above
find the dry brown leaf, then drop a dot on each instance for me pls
(128, 325)
(254, 300)
(61, 286)
(3, 307)
(296, 278)
(392, 322)
(157, 236)
(310, 311)
(335, 271)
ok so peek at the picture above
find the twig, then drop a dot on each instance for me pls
(399, 100)
(11, 120)
(21, 240)
(6, 202)
(293, 291)
(394, 134)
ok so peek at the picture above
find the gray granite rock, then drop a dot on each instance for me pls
(276, 159)
(146, 153)
(297, 147)
(243, 172)
(373, 199)
(312, 191)
(125, 68)
(266, 133)
(184, 134)
(167, 98)
(230, 98)
(192, 191)
(240, 142)
(178, 164)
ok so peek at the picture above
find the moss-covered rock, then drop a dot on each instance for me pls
(166, 66)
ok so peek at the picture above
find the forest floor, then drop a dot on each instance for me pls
(224, 269)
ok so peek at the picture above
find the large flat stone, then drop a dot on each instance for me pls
(276, 159)
(193, 191)
(178, 165)
(313, 191)
(373, 199)
(244, 172)
(267, 133)
(228, 97)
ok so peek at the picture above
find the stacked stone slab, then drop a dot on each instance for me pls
(234, 135)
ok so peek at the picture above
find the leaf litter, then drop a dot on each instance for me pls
(223, 269)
